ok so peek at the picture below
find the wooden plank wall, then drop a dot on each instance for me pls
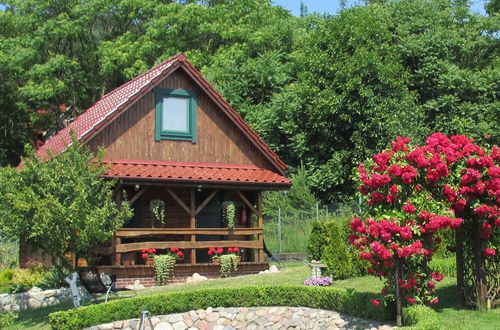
(132, 135)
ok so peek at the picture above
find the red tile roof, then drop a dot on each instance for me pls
(113, 103)
(192, 172)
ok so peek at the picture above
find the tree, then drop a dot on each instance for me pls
(60, 205)
(413, 192)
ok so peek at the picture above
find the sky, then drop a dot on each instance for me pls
(332, 6)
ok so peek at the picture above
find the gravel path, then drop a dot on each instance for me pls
(252, 318)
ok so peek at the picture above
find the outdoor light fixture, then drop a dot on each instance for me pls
(136, 187)
(199, 188)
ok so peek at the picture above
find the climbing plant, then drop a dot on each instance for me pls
(412, 193)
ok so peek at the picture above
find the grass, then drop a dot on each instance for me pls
(453, 317)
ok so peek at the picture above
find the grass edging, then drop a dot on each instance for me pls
(329, 298)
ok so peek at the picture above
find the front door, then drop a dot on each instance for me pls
(209, 217)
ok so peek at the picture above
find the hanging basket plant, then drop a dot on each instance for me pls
(157, 209)
(229, 213)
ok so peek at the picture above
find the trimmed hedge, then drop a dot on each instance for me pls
(330, 298)
(422, 317)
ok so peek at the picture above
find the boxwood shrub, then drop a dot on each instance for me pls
(422, 317)
(329, 242)
(330, 298)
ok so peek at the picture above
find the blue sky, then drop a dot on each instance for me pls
(332, 6)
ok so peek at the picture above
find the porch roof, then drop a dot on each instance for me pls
(179, 172)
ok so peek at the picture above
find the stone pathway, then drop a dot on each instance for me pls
(252, 318)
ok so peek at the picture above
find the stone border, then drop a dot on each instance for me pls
(252, 318)
(34, 298)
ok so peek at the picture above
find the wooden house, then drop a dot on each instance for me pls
(173, 143)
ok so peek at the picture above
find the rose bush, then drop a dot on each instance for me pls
(413, 192)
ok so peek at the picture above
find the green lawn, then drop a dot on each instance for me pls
(453, 318)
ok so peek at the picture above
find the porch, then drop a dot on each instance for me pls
(193, 199)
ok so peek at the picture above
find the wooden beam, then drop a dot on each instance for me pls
(178, 200)
(117, 257)
(137, 195)
(237, 185)
(134, 232)
(206, 201)
(245, 200)
(192, 225)
(260, 226)
(129, 247)
(117, 194)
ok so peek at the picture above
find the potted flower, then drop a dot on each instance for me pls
(148, 255)
(215, 254)
(177, 253)
(235, 251)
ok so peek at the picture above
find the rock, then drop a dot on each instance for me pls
(212, 317)
(49, 293)
(162, 326)
(193, 316)
(118, 324)
(136, 286)
(34, 289)
(179, 326)
(197, 278)
(202, 325)
(273, 269)
(175, 318)
(107, 326)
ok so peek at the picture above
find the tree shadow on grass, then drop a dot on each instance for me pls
(448, 298)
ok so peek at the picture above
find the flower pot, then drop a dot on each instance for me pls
(150, 261)
(82, 262)
(216, 260)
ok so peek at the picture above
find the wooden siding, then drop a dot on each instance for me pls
(132, 134)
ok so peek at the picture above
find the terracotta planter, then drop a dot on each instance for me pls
(150, 261)
(82, 262)
(216, 260)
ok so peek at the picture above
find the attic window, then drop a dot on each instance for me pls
(175, 115)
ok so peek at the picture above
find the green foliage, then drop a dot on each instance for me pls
(229, 213)
(317, 241)
(422, 317)
(7, 319)
(323, 91)
(228, 264)
(9, 253)
(446, 266)
(337, 299)
(329, 242)
(298, 197)
(164, 265)
(6, 275)
(60, 205)
(339, 256)
(20, 279)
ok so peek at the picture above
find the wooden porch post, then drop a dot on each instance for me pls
(192, 225)
(117, 257)
(260, 226)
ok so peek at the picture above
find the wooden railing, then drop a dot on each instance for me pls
(134, 232)
(192, 244)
